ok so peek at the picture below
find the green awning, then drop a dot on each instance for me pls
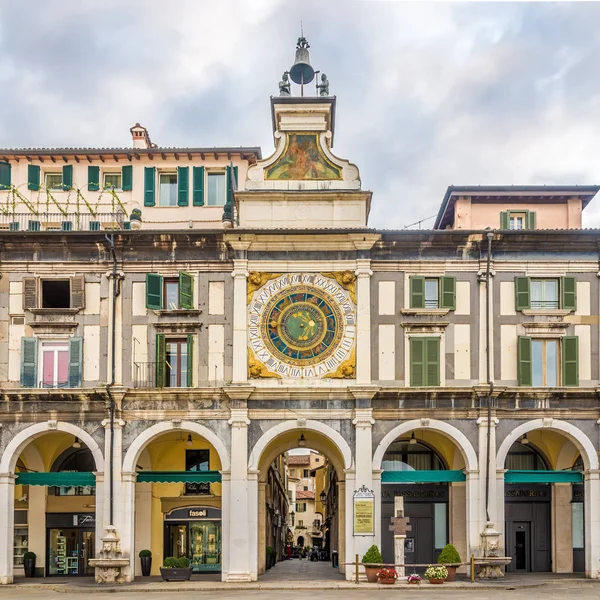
(75, 478)
(178, 476)
(543, 477)
(421, 476)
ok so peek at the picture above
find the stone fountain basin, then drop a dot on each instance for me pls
(490, 567)
(108, 562)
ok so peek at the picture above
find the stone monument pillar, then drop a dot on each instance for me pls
(399, 526)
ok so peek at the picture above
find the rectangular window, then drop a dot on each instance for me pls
(300, 507)
(56, 293)
(112, 181)
(306, 473)
(440, 525)
(292, 472)
(432, 292)
(544, 294)
(516, 221)
(54, 181)
(171, 294)
(424, 361)
(300, 523)
(432, 296)
(167, 189)
(55, 364)
(176, 363)
(216, 189)
(197, 460)
(544, 362)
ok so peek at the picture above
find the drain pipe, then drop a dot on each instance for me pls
(490, 237)
(116, 289)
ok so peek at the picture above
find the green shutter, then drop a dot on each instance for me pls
(29, 362)
(198, 183)
(531, 220)
(524, 374)
(75, 361)
(127, 178)
(154, 291)
(190, 360)
(449, 293)
(33, 177)
(521, 293)
(149, 185)
(5, 175)
(93, 178)
(183, 185)
(569, 293)
(570, 360)
(161, 357)
(67, 177)
(417, 363)
(417, 292)
(432, 361)
(504, 220)
(186, 290)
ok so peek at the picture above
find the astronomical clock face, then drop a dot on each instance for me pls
(301, 325)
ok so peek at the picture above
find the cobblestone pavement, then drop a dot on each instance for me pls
(568, 590)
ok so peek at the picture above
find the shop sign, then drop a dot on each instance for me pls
(415, 492)
(531, 493)
(192, 513)
(84, 520)
(364, 511)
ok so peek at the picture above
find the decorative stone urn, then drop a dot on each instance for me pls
(490, 566)
(110, 562)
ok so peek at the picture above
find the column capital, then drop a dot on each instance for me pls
(483, 421)
(7, 477)
(99, 476)
(591, 475)
(240, 273)
(363, 417)
(363, 392)
(239, 393)
(129, 477)
(118, 423)
(239, 417)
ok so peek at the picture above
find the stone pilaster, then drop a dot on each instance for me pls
(7, 522)
(363, 321)
(240, 319)
(592, 523)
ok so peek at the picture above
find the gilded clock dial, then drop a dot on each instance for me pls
(301, 325)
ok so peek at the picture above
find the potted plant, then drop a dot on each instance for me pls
(29, 564)
(436, 574)
(146, 560)
(372, 562)
(414, 579)
(387, 575)
(176, 569)
(450, 558)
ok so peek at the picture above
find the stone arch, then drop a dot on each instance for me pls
(144, 438)
(574, 434)
(269, 437)
(451, 432)
(23, 438)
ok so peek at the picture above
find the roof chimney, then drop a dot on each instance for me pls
(141, 137)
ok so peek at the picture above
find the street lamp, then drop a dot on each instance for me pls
(323, 497)
(302, 440)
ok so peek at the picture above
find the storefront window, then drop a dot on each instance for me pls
(577, 524)
(21, 544)
(523, 457)
(440, 525)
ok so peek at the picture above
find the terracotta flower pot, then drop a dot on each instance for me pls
(451, 573)
(387, 581)
(435, 581)
(371, 573)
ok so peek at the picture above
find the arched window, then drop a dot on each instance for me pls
(411, 455)
(525, 457)
(74, 459)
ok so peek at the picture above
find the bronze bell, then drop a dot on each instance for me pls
(302, 71)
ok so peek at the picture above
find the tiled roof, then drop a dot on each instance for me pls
(305, 495)
(301, 459)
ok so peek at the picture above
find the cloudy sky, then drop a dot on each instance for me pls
(429, 94)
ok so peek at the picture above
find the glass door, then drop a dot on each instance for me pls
(177, 536)
(88, 549)
(63, 551)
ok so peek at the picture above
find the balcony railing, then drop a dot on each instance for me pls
(144, 374)
(47, 221)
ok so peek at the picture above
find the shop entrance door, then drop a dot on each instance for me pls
(69, 551)
(520, 538)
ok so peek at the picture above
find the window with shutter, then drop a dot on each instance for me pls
(33, 177)
(29, 293)
(5, 169)
(75, 361)
(531, 220)
(432, 359)
(198, 183)
(93, 178)
(190, 360)
(29, 362)
(524, 374)
(522, 293)
(78, 292)
(149, 186)
(504, 221)
(154, 291)
(67, 177)
(160, 360)
(448, 285)
(417, 292)
(570, 355)
(183, 182)
(127, 178)
(186, 290)
(424, 361)
(569, 293)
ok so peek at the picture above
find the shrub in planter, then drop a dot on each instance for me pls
(146, 560)
(436, 574)
(29, 564)
(372, 556)
(176, 569)
(450, 557)
(387, 575)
